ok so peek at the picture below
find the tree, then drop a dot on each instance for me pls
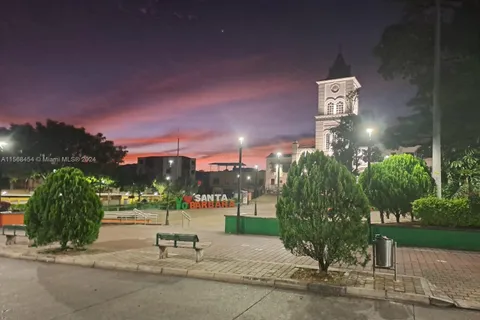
(54, 145)
(377, 185)
(130, 180)
(65, 209)
(322, 212)
(406, 51)
(102, 184)
(350, 143)
(395, 183)
(159, 186)
(464, 173)
(346, 142)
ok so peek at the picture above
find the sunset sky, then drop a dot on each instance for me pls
(144, 71)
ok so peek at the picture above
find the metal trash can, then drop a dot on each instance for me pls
(383, 252)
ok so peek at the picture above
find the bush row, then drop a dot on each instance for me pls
(460, 212)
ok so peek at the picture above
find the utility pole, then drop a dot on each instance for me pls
(239, 196)
(178, 156)
(437, 115)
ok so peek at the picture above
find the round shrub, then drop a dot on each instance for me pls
(64, 209)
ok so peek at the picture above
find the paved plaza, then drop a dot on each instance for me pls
(32, 290)
(431, 272)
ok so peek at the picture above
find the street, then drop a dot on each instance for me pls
(32, 290)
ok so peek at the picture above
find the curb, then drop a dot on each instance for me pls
(284, 284)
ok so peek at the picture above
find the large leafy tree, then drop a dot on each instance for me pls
(395, 183)
(378, 185)
(350, 143)
(322, 212)
(47, 146)
(406, 51)
(464, 174)
(64, 209)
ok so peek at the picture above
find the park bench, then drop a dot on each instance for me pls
(10, 231)
(177, 240)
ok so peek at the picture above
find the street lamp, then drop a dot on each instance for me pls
(369, 176)
(279, 154)
(3, 144)
(167, 222)
(240, 147)
(255, 192)
(248, 183)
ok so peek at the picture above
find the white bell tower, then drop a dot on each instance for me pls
(337, 97)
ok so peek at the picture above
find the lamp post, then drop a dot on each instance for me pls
(369, 176)
(248, 183)
(437, 112)
(256, 187)
(3, 144)
(278, 175)
(167, 222)
(240, 146)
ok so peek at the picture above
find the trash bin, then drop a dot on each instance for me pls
(383, 252)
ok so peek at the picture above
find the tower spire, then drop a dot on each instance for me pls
(339, 69)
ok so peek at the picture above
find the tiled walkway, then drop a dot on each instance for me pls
(450, 273)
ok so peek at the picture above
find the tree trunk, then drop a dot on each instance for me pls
(382, 216)
(322, 266)
(322, 261)
(397, 217)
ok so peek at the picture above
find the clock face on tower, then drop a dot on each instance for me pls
(335, 88)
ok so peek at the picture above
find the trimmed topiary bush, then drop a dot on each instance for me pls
(321, 213)
(446, 212)
(395, 183)
(64, 209)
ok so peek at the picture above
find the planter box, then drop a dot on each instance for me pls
(11, 218)
(267, 226)
(408, 235)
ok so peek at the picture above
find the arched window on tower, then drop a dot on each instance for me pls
(330, 108)
(339, 108)
(328, 142)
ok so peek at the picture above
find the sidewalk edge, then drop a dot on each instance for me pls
(285, 284)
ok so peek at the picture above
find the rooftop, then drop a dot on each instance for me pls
(274, 155)
(339, 69)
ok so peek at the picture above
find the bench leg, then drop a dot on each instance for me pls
(163, 252)
(198, 255)
(11, 240)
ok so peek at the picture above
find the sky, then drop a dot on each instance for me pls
(144, 72)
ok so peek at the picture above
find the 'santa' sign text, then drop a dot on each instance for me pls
(204, 201)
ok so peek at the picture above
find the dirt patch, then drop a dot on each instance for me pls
(312, 275)
(100, 247)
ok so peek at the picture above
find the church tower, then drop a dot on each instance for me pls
(337, 97)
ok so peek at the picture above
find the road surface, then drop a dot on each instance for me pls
(32, 290)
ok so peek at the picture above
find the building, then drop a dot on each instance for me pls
(226, 181)
(337, 97)
(177, 168)
(276, 171)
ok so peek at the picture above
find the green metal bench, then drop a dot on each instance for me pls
(166, 240)
(10, 231)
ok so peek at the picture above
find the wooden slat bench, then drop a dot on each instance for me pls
(171, 240)
(10, 231)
